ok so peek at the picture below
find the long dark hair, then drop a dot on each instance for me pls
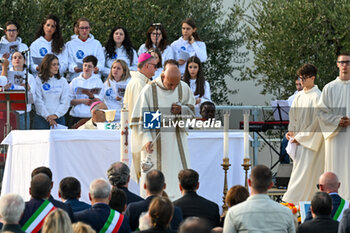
(200, 80)
(191, 22)
(57, 45)
(162, 44)
(110, 45)
(45, 65)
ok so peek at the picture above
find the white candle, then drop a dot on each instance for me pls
(124, 132)
(226, 127)
(246, 134)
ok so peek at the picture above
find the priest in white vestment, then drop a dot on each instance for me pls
(334, 113)
(145, 70)
(165, 148)
(308, 162)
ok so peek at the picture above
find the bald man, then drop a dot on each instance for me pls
(163, 146)
(329, 183)
(97, 115)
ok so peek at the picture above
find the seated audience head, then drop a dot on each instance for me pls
(170, 62)
(100, 191)
(194, 225)
(69, 188)
(145, 221)
(235, 195)
(56, 222)
(147, 65)
(328, 182)
(189, 180)
(207, 110)
(40, 186)
(321, 204)
(171, 77)
(97, 113)
(260, 179)
(80, 227)
(157, 56)
(119, 174)
(161, 212)
(155, 182)
(11, 208)
(118, 200)
(42, 169)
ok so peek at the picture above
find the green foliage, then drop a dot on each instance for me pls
(284, 35)
(217, 27)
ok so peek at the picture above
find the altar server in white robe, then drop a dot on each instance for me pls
(163, 148)
(334, 113)
(304, 130)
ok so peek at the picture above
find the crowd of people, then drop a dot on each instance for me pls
(114, 208)
(69, 76)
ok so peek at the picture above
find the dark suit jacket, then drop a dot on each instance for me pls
(77, 205)
(156, 230)
(192, 204)
(32, 205)
(97, 215)
(134, 210)
(130, 197)
(320, 224)
(16, 228)
(336, 199)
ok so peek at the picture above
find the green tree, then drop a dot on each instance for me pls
(218, 27)
(284, 35)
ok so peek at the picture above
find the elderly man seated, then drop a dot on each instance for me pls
(97, 115)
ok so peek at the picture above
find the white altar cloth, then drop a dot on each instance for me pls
(87, 154)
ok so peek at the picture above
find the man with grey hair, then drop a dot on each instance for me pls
(194, 225)
(100, 216)
(119, 176)
(11, 210)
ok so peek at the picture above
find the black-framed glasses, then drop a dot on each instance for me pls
(11, 30)
(347, 62)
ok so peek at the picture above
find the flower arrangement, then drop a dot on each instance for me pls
(295, 210)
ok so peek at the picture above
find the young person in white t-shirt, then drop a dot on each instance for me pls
(82, 45)
(188, 45)
(18, 64)
(157, 38)
(119, 46)
(51, 95)
(194, 77)
(115, 85)
(49, 40)
(82, 99)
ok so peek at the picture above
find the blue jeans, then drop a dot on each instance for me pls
(41, 123)
(21, 121)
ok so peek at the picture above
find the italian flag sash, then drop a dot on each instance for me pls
(113, 222)
(339, 213)
(36, 221)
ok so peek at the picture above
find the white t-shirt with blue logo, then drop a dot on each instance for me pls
(78, 49)
(83, 110)
(51, 97)
(110, 94)
(40, 47)
(197, 48)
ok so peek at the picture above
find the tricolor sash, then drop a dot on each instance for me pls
(341, 208)
(113, 222)
(36, 221)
